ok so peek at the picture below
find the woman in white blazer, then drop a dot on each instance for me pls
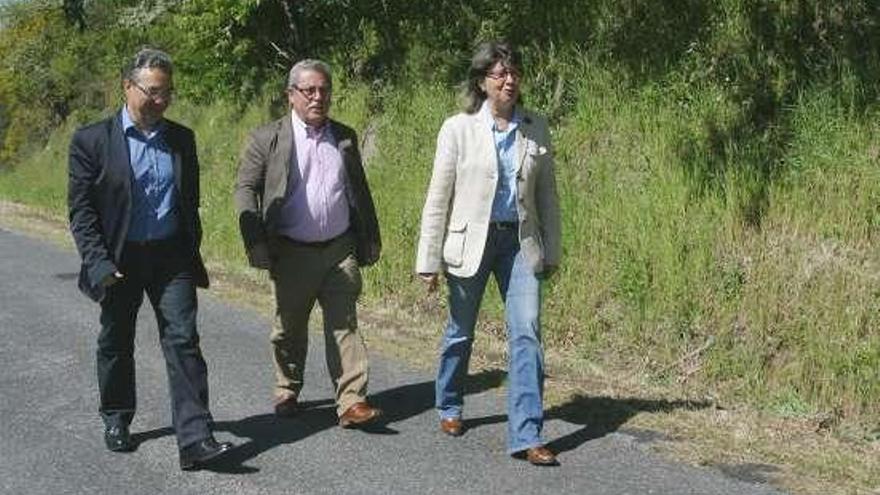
(492, 208)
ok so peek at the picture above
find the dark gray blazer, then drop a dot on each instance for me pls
(99, 198)
(261, 188)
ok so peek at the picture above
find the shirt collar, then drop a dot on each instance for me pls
(128, 125)
(303, 129)
(485, 115)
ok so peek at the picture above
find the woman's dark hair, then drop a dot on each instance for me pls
(485, 57)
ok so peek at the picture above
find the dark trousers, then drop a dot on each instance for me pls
(162, 270)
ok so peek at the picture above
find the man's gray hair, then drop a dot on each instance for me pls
(308, 64)
(147, 58)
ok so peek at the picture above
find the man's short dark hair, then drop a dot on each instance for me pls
(147, 58)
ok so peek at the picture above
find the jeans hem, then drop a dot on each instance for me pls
(447, 415)
(514, 450)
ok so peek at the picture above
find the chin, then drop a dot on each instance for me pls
(317, 120)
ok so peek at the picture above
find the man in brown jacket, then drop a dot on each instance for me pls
(306, 215)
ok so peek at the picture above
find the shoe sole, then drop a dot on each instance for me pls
(195, 465)
(454, 434)
(286, 409)
(522, 456)
(125, 449)
(351, 425)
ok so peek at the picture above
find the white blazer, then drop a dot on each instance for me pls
(455, 219)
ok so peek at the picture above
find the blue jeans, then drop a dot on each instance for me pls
(520, 290)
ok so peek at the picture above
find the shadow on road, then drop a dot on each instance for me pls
(599, 415)
(411, 400)
(266, 431)
(603, 415)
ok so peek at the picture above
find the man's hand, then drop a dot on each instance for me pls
(431, 279)
(259, 257)
(111, 279)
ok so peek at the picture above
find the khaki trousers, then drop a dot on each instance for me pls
(329, 275)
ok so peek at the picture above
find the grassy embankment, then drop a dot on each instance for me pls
(667, 277)
(783, 314)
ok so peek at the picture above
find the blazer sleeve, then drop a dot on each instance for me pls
(435, 213)
(85, 221)
(249, 192)
(547, 202)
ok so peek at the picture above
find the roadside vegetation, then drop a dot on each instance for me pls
(717, 161)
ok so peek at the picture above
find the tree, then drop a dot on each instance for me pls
(75, 12)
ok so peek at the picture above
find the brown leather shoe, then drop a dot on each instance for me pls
(538, 456)
(285, 405)
(360, 414)
(452, 426)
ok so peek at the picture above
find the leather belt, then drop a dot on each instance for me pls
(312, 244)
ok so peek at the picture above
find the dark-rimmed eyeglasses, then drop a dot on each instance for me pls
(155, 94)
(311, 92)
(501, 75)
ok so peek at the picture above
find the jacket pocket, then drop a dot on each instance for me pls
(453, 245)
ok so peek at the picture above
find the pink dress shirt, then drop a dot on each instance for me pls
(316, 208)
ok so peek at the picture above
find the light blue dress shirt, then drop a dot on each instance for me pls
(504, 203)
(153, 191)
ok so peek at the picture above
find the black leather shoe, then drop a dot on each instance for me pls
(118, 439)
(202, 453)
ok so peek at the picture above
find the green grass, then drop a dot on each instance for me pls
(665, 275)
(41, 181)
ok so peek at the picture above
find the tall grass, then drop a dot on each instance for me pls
(41, 181)
(666, 274)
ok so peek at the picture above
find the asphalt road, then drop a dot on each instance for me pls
(51, 437)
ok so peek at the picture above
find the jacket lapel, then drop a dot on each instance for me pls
(345, 146)
(284, 155)
(118, 165)
(523, 133)
(119, 158)
(483, 131)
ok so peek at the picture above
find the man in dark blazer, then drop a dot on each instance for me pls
(306, 215)
(133, 198)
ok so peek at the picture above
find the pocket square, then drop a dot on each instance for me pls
(535, 149)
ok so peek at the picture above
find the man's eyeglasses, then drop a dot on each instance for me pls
(311, 92)
(502, 74)
(155, 94)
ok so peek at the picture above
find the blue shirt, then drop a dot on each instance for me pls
(504, 203)
(153, 192)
